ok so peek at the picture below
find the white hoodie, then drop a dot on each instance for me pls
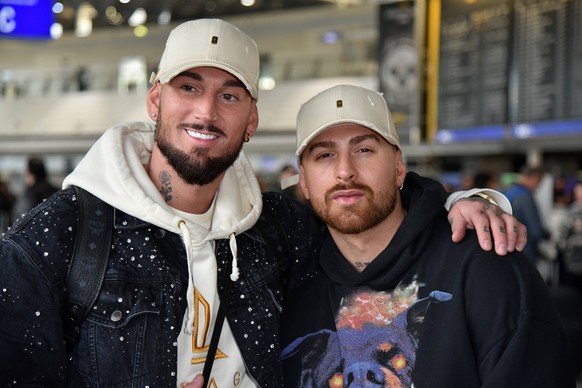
(113, 171)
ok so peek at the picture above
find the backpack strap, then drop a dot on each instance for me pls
(89, 262)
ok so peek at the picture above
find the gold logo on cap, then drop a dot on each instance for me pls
(339, 103)
(214, 40)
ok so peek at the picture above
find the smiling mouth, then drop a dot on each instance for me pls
(202, 136)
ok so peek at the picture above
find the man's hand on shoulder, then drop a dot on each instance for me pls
(490, 222)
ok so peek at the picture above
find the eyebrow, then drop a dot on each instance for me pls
(353, 141)
(197, 77)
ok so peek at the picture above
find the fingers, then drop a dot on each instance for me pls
(494, 226)
(196, 383)
(458, 227)
(483, 229)
(507, 232)
(504, 241)
(516, 233)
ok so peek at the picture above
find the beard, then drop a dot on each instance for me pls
(195, 167)
(354, 219)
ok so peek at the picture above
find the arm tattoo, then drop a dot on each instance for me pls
(166, 189)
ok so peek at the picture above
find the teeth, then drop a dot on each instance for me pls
(203, 136)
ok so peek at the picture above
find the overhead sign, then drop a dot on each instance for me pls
(26, 19)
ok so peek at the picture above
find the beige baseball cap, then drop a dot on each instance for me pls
(214, 43)
(344, 104)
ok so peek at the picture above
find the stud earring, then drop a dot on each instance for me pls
(154, 115)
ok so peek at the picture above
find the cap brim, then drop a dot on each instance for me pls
(169, 74)
(322, 129)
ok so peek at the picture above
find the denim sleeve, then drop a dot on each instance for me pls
(31, 339)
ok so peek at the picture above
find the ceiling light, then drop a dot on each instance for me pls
(138, 17)
(56, 30)
(140, 31)
(84, 22)
(58, 7)
(164, 18)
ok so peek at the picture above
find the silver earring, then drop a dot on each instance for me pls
(154, 115)
(401, 186)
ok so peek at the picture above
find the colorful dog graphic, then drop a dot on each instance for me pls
(375, 343)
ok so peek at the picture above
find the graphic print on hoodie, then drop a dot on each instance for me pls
(375, 341)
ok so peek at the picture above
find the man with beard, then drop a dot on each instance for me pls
(393, 302)
(185, 203)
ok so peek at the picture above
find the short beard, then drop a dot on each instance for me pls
(355, 219)
(196, 167)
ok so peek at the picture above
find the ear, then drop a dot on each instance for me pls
(253, 121)
(400, 168)
(302, 182)
(153, 100)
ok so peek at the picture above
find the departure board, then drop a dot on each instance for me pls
(574, 50)
(504, 63)
(473, 63)
(541, 58)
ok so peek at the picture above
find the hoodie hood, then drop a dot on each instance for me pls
(113, 171)
(424, 200)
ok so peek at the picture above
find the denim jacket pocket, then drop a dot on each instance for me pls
(119, 342)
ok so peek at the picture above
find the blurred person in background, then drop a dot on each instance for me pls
(37, 187)
(293, 191)
(570, 242)
(525, 208)
(7, 200)
(487, 179)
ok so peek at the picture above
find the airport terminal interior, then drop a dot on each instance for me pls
(475, 87)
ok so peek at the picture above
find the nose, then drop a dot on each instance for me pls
(205, 109)
(364, 375)
(345, 171)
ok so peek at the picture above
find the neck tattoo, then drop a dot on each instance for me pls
(166, 189)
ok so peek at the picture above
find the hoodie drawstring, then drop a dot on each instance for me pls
(233, 249)
(234, 275)
(189, 327)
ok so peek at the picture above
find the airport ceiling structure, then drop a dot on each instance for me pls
(111, 13)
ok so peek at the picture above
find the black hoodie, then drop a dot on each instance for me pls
(425, 313)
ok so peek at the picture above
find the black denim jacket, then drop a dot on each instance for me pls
(130, 336)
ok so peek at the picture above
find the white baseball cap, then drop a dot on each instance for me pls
(344, 104)
(213, 43)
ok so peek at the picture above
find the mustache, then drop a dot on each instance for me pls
(348, 186)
